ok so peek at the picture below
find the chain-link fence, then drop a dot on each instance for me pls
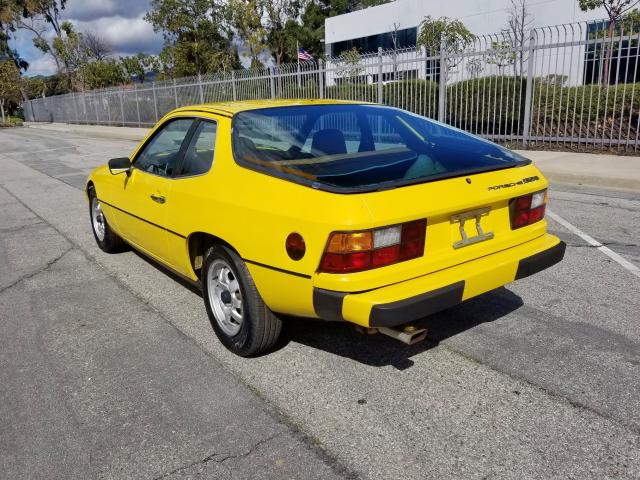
(569, 85)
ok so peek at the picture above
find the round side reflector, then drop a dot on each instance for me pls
(295, 246)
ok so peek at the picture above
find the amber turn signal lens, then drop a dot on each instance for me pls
(295, 246)
(350, 242)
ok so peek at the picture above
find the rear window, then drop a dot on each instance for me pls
(359, 147)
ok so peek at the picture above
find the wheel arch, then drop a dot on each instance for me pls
(89, 186)
(198, 243)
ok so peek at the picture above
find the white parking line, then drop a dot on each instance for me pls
(592, 241)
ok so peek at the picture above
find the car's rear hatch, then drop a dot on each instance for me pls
(448, 205)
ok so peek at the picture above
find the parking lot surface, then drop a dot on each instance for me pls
(109, 367)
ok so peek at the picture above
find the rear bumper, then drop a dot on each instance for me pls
(417, 298)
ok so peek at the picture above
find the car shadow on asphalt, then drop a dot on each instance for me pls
(380, 351)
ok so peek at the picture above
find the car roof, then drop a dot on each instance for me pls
(231, 108)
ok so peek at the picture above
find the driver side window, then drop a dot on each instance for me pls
(160, 155)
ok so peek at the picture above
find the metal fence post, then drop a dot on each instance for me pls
(272, 82)
(155, 100)
(75, 105)
(200, 88)
(442, 85)
(233, 85)
(320, 78)
(122, 104)
(137, 103)
(526, 122)
(175, 93)
(85, 111)
(380, 91)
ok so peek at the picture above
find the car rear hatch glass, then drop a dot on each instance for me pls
(352, 148)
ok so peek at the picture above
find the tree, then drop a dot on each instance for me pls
(193, 30)
(95, 46)
(615, 9)
(36, 16)
(501, 55)
(102, 74)
(447, 33)
(475, 67)
(350, 67)
(35, 87)
(281, 25)
(245, 20)
(518, 25)
(10, 81)
(137, 67)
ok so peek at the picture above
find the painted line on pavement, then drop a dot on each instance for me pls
(592, 241)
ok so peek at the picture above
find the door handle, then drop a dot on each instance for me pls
(158, 198)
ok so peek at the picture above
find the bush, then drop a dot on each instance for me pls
(418, 96)
(487, 105)
(603, 111)
(12, 122)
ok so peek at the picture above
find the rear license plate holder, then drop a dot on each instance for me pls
(461, 219)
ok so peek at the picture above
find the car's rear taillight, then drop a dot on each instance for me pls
(528, 209)
(348, 252)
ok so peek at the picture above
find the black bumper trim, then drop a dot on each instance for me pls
(410, 309)
(540, 261)
(328, 304)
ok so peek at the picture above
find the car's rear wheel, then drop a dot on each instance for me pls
(107, 239)
(241, 320)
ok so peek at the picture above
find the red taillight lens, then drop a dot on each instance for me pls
(528, 209)
(348, 252)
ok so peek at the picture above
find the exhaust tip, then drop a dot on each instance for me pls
(409, 334)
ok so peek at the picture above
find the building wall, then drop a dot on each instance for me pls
(480, 16)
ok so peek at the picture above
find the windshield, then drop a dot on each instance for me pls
(359, 147)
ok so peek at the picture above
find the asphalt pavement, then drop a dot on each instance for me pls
(109, 367)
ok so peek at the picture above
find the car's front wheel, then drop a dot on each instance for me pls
(241, 320)
(107, 239)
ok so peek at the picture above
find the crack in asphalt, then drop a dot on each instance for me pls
(46, 267)
(21, 227)
(216, 456)
(225, 456)
(280, 417)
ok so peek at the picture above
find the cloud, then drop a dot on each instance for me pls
(42, 66)
(125, 35)
(120, 23)
(88, 10)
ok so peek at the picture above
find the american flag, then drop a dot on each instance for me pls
(304, 55)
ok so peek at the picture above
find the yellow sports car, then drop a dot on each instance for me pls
(323, 209)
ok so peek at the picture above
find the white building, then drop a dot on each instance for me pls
(375, 27)
(370, 28)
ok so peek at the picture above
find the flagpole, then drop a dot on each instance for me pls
(298, 57)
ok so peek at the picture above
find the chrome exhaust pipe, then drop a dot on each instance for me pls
(407, 334)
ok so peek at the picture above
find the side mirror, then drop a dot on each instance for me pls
(119, 165)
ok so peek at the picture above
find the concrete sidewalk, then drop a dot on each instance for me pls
(600, 170)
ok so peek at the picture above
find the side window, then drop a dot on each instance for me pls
(199, 155)
(160, 155)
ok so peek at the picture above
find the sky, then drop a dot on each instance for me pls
(119, 22)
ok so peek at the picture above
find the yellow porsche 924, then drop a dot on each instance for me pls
(323, 209)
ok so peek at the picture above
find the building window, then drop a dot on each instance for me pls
(404, 38)
(623, 55)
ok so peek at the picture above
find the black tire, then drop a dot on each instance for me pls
(260, 327)
(111, 243)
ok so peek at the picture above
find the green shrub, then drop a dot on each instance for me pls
(487, 105)
(12, 122)
(418, 96)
